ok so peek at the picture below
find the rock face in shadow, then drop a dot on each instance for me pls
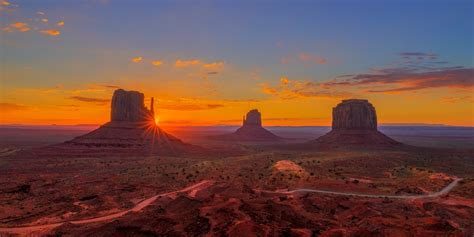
(354, 124)
(131, 130)
(253, 118)
(354, 114)
(251, 130)
(129, 106)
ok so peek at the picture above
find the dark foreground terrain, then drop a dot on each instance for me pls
(240, 195)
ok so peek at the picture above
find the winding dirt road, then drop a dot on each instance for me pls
(442, 192)
(26, 230)
(193, 189)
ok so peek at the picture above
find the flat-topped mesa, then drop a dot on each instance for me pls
(131, 130)
(354, 114)
(129, 106)
(251, 130)
(253, 118)
(354, 124)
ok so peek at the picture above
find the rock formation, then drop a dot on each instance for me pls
(251, 130)
(354, 114)
(129, 106)
(354, 124)
(131, 129)
(253, 118)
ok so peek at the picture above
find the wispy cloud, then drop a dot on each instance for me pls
(458, 99)
(157, 63)
(90, 99)
(187, 104)
(418, 55)
(409, 75)
(401, 79)
(310, 58)
(11, 107)
(61, 23)
(51, 32)
(186, 63)
(293, 89)
(137, 59)
(214, 66)
(17, 26)
(305, 58)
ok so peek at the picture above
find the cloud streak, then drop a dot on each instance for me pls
(11, 107)
(401, 79)
(90, 99)
(51, 32)
(293, 89)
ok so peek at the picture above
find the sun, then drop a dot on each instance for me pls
(157, 120)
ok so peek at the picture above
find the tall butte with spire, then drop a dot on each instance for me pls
(354, 124)
(131, 129)
(251, 130)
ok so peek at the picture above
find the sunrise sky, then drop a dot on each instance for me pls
(208, 63)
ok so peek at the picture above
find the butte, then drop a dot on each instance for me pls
(131, 130)
(251, 130)
(354, 124)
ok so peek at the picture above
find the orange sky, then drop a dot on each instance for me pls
(210, 64)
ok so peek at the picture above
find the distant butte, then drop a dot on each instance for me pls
(354, 124)
(251, 130)
(131, 130)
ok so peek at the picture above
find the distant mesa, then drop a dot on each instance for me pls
(131, 129)
(251, 130)
(354, 123)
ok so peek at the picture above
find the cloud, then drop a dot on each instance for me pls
(214, 66)
(459, 99)
(44, 20)
(401, 79)
(293, 89)
(5, 3)
(18, 26)
(157, 63)
(111, 86)
(188, 106)
(418, 55)
(90, 99)
(186, 63)
(40, 13)
(137, 59)
(309, 58)
(51, 32)
(61, 23)
(10, 107)
(303, 57)
(212, 73)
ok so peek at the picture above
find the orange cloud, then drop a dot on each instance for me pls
(137, 59)
(214, 66)
(293, 89)
(19, 26)
(181, 106)
(5, 3)
(44, 20)
(307, 57)
(460, 99)
(90, 100)
(61, 23)
(157, 63)
(51, 32)
(304, 57)
(10, 107)
(394, 80)
(186, 63)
